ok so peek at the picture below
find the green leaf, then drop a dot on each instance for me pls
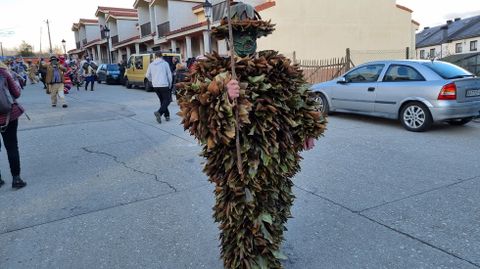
(262, 263)
(266, 234)
(266, 218)
(257, 79)
(279, 255)
(266, 159)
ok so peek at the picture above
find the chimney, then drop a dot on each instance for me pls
(426, 28)
(444, 29)
(449, 21)
(457, 19)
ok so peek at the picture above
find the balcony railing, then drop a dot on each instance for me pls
(114, 40)
(163, 29)
(77, 45)
(145, 29)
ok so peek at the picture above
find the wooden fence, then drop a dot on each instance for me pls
(316, 71)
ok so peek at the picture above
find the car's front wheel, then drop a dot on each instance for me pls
(127, 83)
(416, 117)
(322, 103)
(460, 122)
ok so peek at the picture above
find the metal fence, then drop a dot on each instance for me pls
(469, 61)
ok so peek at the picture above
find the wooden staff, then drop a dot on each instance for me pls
(234, 76)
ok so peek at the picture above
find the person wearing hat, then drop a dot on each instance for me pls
(55, 81)
(252, 129)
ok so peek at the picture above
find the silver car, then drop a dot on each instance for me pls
(416, 92)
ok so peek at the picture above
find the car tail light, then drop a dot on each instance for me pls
(448, 92)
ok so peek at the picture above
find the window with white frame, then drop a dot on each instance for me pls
(473, 45)
(422, 54)
(458, 48)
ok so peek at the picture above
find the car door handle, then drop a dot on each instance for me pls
(371, 89)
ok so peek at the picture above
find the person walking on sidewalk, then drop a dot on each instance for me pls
(160, 75)
(89, 74)
(55, 81)
(9, 126)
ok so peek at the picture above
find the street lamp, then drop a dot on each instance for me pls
(106, 32)
(64, 44)
(208, 8)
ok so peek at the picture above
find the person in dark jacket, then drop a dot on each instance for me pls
(9, 126)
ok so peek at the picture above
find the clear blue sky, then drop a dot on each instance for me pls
(24, 18)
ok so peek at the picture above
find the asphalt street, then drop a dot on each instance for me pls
(109, 187)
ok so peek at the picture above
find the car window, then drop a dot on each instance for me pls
(112, 67)
(447, 70)
(402, 73)
(129, 63)
(138, 62)
(368, 73)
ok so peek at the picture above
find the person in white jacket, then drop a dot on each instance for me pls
(160, 75)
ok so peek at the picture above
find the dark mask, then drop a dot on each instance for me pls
(245, 42)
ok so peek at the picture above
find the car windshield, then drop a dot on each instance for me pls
(447, 70)
(112, 67)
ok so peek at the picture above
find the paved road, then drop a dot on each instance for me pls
(111, 188)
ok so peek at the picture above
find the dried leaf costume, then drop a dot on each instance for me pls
(276, 114)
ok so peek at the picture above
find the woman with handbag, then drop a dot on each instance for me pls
(9, 126)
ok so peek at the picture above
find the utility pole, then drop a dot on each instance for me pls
(1, 46)
(40, 40)
(49, 38)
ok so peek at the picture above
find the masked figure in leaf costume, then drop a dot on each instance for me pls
(277, 120)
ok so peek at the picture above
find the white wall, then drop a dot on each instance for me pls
(112, 25)
(161, 12)
(82, 33)
(127, 29)
(143, 13)
(180, 14)
(93, 32)
(465, 45)
(320, 29)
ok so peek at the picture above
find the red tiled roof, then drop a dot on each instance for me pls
(87, 21)
(127, 40)
(123, 14)
(404, 8)
(91, 42)
(106, 9)
(264, 6)
(190, 27)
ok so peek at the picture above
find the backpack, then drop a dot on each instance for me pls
(5, 102)
(94, 65)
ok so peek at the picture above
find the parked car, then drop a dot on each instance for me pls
(417, 92)
(109, 73)
(137, 66)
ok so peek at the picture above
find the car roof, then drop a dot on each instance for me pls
(399, 62)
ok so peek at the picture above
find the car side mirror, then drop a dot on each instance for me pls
(342, 80)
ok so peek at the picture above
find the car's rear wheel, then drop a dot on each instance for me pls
(127, 83)
(460, 122)
(416, 117)
(322, 103)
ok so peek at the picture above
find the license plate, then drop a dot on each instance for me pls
(473, 93)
